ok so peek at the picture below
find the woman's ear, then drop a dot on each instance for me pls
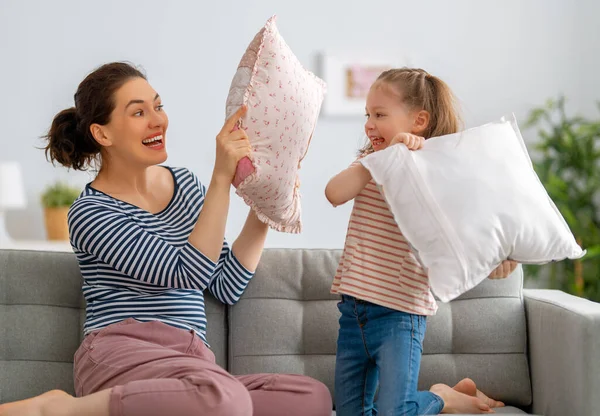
(100, 135)
(421, 122)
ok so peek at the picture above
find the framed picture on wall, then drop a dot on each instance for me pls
(349, 78)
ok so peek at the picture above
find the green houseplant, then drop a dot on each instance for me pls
(56, 200)
(568, 164)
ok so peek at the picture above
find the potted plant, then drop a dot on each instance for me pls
(56, 200)
(568, 164)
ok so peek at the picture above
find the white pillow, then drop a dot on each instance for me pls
(468, 201)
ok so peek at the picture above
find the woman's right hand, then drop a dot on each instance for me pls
(410, 140)
(232, 145)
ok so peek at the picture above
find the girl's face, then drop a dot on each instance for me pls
(386, 116)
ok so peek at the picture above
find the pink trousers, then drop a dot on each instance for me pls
(155, 369)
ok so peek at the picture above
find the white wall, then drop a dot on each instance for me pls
(499, 57)
(588, 66)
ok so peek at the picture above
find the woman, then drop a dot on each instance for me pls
(149, 239)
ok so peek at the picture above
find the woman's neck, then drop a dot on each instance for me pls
(123, 180)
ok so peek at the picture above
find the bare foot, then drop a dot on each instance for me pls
(458, 403)
(32, 407)
(467, 386)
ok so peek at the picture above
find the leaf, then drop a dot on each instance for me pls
(556, 186)
(567, 163)
(592, 252)
(570, 218)
(534, 117)
(59, 195)
(531, 271)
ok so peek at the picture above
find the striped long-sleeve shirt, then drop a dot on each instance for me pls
(377, 264)
(141, 265)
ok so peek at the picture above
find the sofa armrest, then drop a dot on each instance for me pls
(564, 352)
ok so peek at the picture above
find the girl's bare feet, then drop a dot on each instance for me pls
(467, 386)
(456, 402)
(36, 406)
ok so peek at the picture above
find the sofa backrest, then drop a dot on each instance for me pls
(40, 320)
(287, 321)
(482, 335)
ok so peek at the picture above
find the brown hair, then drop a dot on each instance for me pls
(420, 90)
(70, 141)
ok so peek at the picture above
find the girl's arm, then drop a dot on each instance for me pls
(347, 184)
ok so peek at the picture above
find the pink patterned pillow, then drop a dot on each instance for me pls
(283, 101)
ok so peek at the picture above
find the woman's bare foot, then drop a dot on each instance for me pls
(467, 386)
(36, 406)
(457, 402)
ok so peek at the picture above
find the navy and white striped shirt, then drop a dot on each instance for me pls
(140, 265)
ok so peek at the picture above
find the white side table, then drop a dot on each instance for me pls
(38, 245)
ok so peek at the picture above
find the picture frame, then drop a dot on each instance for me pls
(349, 77)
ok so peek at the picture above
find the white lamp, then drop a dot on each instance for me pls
(12, 194)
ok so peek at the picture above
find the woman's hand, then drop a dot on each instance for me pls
(410, 140)
(232, 145)
(504, 270)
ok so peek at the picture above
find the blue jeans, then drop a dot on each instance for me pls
(379, 354)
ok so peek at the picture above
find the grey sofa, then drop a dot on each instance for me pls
(537, 350)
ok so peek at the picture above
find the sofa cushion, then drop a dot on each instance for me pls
(481, 335)
(508, 411)
(287, 321)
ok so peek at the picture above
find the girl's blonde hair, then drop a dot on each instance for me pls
(420, 90)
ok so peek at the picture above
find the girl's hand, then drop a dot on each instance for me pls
(504, 270)
(410, 140)
(232, 145)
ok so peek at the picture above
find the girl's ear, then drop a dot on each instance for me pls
(421, 122)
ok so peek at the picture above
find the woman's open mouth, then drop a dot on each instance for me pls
(155, 142)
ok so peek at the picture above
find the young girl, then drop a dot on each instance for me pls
(385, 292)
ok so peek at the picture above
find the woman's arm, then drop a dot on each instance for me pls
(236, 267)
(504, 270)
(209, 231)
(100, 228)
(250, 243)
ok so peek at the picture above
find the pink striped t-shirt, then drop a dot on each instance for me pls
(377, 264)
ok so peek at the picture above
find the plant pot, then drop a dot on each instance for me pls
(56, 223)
